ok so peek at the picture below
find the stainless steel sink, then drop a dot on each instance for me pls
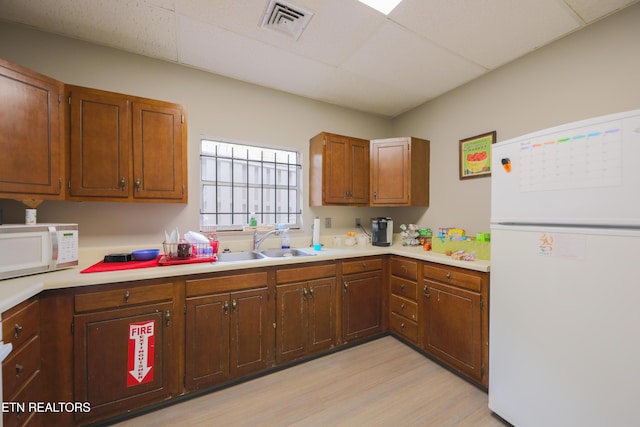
(239, 256)
(280, 253)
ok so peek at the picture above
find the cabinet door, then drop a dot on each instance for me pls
(337, 169)
(359, 166)
(390, 172)
(453, 326)
(291, 321)
(100, 144)
(159, 152)
(361, 305)
(207, 341)
(31, 140)
(249, 331)
(321, 314)
(124, 359)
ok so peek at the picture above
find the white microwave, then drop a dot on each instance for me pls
(37, 248)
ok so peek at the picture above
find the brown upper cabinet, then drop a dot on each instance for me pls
(400, 172)
(31, 134)
(125, 148)
(339, 170)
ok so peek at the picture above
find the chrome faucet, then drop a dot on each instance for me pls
(258, 241)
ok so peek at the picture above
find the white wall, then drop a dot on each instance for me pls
(592, 72)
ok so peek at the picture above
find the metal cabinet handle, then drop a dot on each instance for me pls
(304, 293)
(426, 292)
(448, 276)
(402, 325)
(123, 183)
(126, 296)
(19, 369)
(311, 293)
(138, 184)
(345, 285)
(234, 304)
(17, 330)
(364, 265)
(225, 307)
(402, 306)
(167, 317)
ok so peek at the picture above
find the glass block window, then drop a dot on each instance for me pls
(238, 180)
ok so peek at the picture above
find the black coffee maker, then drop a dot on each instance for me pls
(381, 231)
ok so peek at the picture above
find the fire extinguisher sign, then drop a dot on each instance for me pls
(140, 358)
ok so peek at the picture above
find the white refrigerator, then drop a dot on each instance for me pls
(564, 319)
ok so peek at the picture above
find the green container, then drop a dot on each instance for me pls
(481, 250)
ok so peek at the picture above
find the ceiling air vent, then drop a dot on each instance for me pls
(286, 18)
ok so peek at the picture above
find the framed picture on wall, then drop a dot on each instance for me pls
(475, 155)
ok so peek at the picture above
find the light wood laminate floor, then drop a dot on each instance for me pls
(380, 383)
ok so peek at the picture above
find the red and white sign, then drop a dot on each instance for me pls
(140, 358)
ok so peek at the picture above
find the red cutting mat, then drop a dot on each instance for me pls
(115, 266)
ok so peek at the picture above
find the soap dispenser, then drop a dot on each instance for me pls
(286, 244)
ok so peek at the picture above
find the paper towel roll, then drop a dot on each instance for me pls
(316, 231)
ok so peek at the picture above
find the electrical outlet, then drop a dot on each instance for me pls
(327, 222)
(358, 222)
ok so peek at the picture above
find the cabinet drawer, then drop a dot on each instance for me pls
(123, 297)
(20, 366)
(351, 267)
(29, 393)
(404, 268)
(227, 283)
(404, 307)
(404, 327)
(305, 273)
(404, 288)
(454, 276)
(21, 323)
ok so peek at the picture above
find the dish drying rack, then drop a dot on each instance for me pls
(184, 253)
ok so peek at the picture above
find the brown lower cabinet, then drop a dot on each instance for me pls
(403, 305)
(125, 349)
(227, 330)
(361, 298)
(21, 378)
(455, 320)
(97, 343)
(306, 311)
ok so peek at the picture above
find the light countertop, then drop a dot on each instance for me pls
(14, 291)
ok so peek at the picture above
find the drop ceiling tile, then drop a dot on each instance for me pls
(487, 32)
(212, 48)
(135, 26)
(403, 60)
(341, 87)
(336, 29)
(592, 10)
(227, 54)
